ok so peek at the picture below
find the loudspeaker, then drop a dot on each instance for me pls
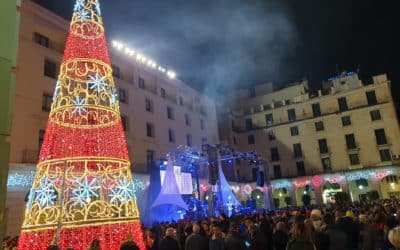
(213, 174)
(254, 173)
(260, 179)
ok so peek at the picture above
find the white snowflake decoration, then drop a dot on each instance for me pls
(97, 82)
(85, 191)
(56, 90)
(46, 193)
(97, 8)
(123, 191)
(83, 14)
(79, 4)
(114, 97)
(79, 108)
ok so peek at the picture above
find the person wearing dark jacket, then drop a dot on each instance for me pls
(258, 241)
(234, 241)
(280, 237)
(196, 241)
(216, 239)
(169, 242)
(346, 224)
(301, 238)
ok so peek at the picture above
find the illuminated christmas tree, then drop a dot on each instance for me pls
(83, 188)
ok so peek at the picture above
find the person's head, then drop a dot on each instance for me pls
(205, 226)
(196, 228)
(394, 236)
(316, 219)
(129, 245)
(328, 219)
(170, 232)
(363, 218)
(248, 221)
(216, 229)
(281, 226)
(95, 244)
(300, 231)
(53, 247)
(339, 213)
(70, 248)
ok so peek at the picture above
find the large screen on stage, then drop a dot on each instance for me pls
(183, 180)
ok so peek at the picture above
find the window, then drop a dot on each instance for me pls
(269, 119)
(142, 83)
(171, 135)
(346, 121)
(252, 91)
(277, 171)
(375, 115)
(350, 141)
(249, 124)
(124, 121)
(271, 135)
(163, 94)
(149, 159)
(301, 171)
(234, 140)
(46, 102)
(342, 104)
(274, 154)
(323, 146)
(380, 136)
(267, 107)
(149, 105)
(202, 124)
(319, 126)
(316, 109)
(41, 138)
(187, 120)
(250, 139)
(188, 140)
(122, 95)
(291, 115)
(294, 131)
(149, 129)
(354, 160)
(371, 97)
(181, 100)
(170, 113)
(50, 68)
(41, 39)
(326, 165)
(115, 71)
(203, 141)
(385, 155)
(297, 150)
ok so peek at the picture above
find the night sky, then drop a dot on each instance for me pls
(224, 44)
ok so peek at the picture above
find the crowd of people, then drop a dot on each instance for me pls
(364, 226)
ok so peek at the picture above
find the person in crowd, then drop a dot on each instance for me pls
(337, 238)
(394, 237)
(129, 245)
(234, 241)
(367, 236)
(196, 241)
(280, 237)
(217, 238)
(257, 240)
(223, 220)
(95, 245)
(300, 238)
(351, 229)
(205, 229)
(169, 242)
(53, 247)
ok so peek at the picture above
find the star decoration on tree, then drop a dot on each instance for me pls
(79, 108)
(85, 191)
(123, 191)
(46, 194)
(97, 82)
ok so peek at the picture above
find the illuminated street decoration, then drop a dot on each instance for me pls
(83, 187)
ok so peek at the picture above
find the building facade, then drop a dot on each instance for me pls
(347, 126)
(159, 111)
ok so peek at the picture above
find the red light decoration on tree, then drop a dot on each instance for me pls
(83, 188)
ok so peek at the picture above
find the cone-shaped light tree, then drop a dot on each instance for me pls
(83, 188)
